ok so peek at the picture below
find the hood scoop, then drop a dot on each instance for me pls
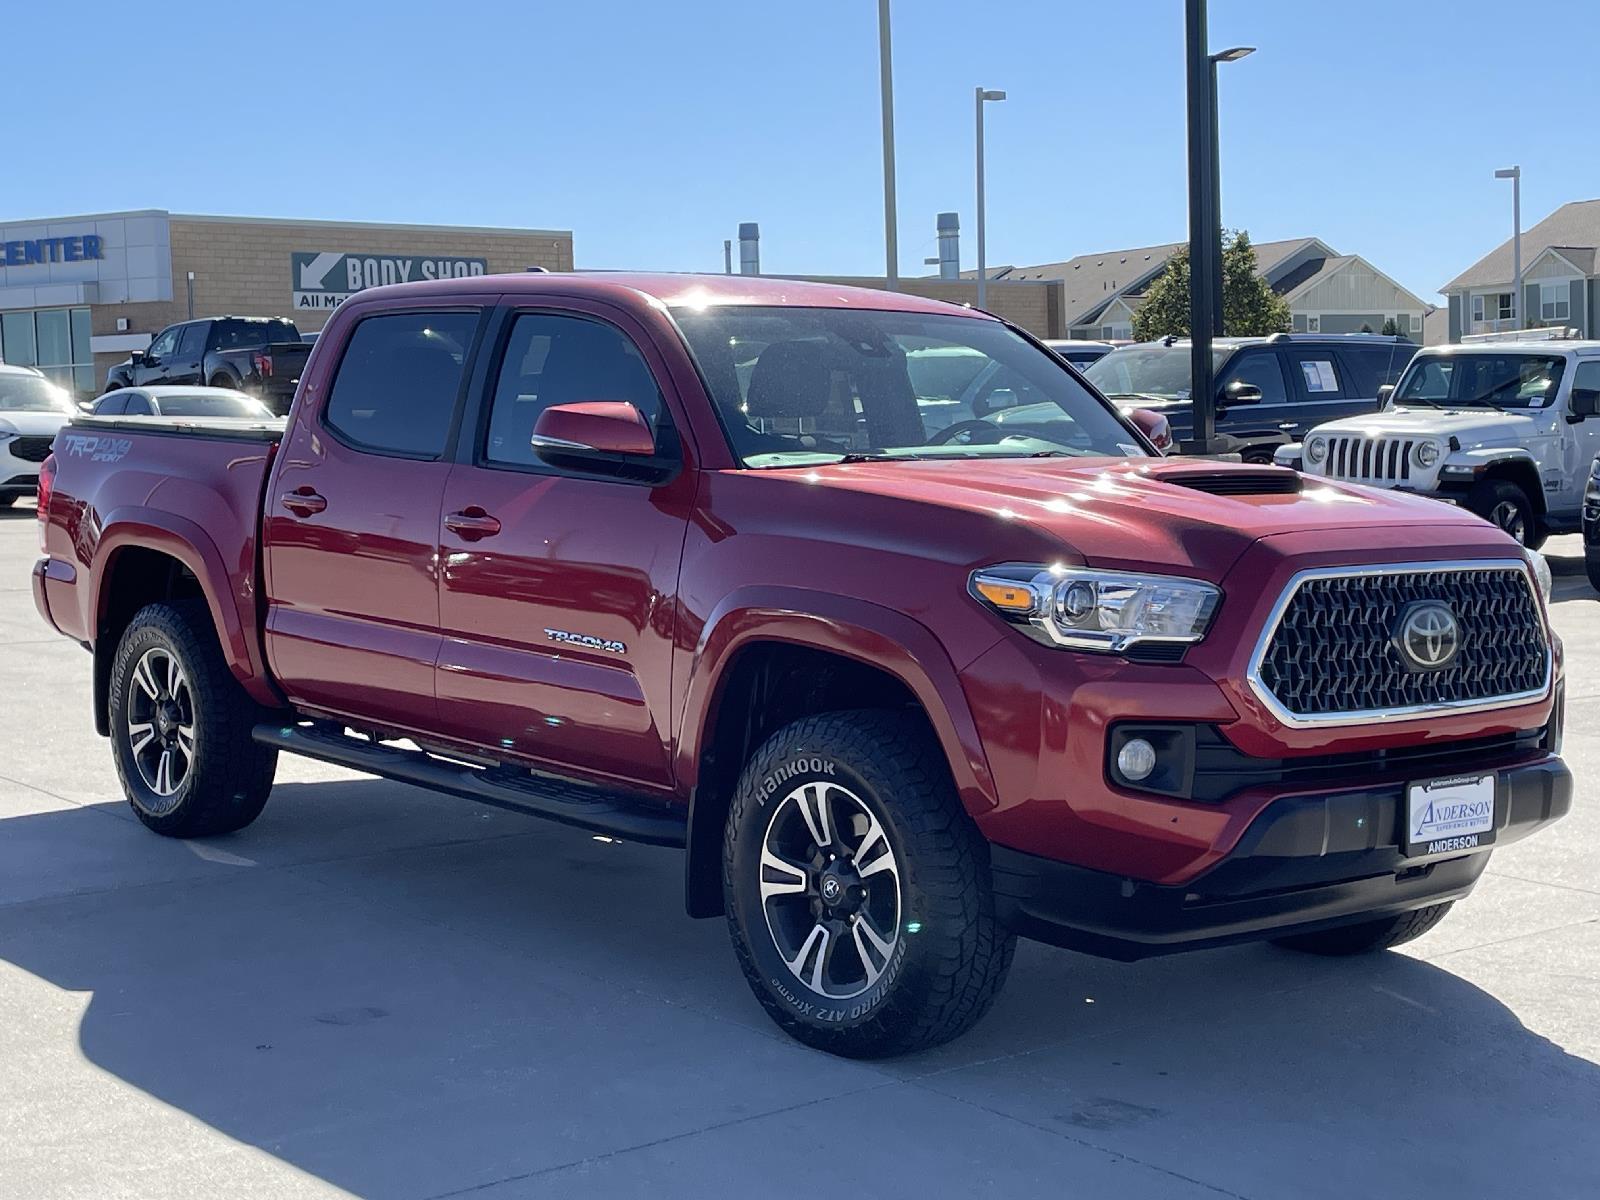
(1262, 481)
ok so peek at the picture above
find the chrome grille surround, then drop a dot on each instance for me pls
(1371, 643)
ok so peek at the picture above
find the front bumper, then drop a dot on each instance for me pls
(1306, 862)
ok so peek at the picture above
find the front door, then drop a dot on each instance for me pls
(1580, 443)
(158, 358)
(352, 518)
(1273, 413)
(557, 582)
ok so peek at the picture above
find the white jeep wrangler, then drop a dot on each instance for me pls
(1506, 429)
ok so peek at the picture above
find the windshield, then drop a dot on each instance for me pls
(30, 393)
(212, 406)
(799, 386)
(1481, 380)
(1160, 371)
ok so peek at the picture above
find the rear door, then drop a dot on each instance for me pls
(352, 517)
(187, 363)
(1580, 443)
(1321, 392)
(557, 581)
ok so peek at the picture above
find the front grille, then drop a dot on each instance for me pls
(1331, 655)
(1370, 460)
(30, 449)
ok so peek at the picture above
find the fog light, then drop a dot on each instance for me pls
(1136, 759)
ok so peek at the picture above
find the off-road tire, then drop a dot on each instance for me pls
(228, 775)
(950, 955)
(1489, 499)
(1591, 565)
(1368, 936)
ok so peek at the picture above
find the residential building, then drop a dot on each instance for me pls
(1558, 279)
(1328, 292)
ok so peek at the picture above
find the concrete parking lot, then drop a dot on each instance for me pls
(385, 993)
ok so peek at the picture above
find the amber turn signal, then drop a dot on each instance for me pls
(1007, 597)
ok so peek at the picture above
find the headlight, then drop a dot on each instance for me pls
(1105, 611)
(1316, 449)
(1541, 572)
(1426, 453)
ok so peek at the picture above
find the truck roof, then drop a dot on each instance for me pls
(679, 290)
(1575, 346)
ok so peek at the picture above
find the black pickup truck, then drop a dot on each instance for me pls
(262, 356)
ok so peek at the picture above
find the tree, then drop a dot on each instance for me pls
(1365, 328)
(1249, 305)
(1390, 329)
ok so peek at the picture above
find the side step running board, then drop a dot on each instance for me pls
(624, 815)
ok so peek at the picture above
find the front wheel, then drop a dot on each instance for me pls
(1591, 564)
(1507, 506)
(181, 727)
(857, 888)
(1366, 937)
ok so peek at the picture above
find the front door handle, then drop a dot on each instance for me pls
(472, 523)
(304, 502)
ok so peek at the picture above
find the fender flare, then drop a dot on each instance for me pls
(1484, 460)
(852, 628)
(232, 615)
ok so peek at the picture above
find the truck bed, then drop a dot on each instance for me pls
(190, 487)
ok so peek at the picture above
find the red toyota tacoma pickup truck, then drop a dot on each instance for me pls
(710, 563)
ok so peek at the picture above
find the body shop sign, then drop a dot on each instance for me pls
(324, 279)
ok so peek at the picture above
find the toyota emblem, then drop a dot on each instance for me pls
(1427, 636)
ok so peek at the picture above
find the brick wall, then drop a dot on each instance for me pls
(241, 267)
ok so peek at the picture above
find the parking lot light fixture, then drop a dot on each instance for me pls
(984, 95)
(1515, 175)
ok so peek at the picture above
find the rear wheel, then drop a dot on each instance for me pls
(857, 888)
(1507, 506)
(180, 727)
(1367, 936)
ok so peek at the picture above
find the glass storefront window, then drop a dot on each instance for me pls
(56, 340)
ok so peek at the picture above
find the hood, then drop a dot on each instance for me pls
(1151, 514)
(1462, 423)
(32, 424)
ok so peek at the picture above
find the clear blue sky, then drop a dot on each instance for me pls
(652, 129)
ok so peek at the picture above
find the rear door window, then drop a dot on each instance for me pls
(399, 381)
(1368, 368)
(1317, 374)
(193, 342)
(555, 359)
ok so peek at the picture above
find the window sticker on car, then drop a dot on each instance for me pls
(1319, 376)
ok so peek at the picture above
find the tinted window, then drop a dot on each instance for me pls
(398, 381)
(1319, 373)
(1587, 376)
(193, 342)
(562, 360)
(1370, 367)
(139, 406)
(165, 343)
(235, 405)
(247, 335)
(113, 405)
(1261, 369)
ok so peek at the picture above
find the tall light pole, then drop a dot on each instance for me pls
(891, 234)
(1515, 175)
(982, 97)
(1231, 54)
(1203, 271)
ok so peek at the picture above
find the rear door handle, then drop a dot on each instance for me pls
(472, 523)
(304, 502)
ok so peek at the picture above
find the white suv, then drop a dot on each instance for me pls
(32, 410)
(1505, 429)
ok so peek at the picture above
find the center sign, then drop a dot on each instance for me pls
(324, 279)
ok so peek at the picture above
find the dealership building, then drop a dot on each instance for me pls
(78, 293)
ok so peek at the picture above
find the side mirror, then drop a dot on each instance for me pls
(1154, 426)
(1385, 394)
(601, 429)
(137, 358)
(1240, 392)
(1585, 404)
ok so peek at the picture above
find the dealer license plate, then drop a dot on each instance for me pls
(1448, 815)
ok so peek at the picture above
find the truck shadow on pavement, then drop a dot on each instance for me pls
(402, 995)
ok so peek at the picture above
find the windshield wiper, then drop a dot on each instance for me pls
(859, 456)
